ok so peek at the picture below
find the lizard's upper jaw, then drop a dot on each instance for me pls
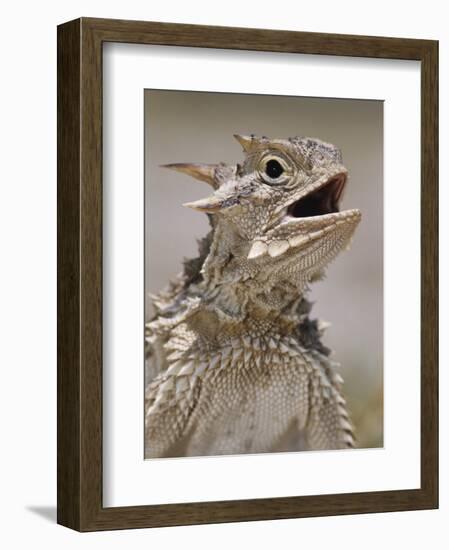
(310, 218)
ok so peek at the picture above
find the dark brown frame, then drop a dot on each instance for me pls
(80, 274)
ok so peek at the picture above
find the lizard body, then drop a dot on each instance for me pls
(236, 364)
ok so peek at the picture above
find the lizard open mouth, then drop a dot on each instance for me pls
(306, 222)
(324, 200)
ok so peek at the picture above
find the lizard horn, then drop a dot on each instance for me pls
(245, 141)
(202, 172)
(210, 204)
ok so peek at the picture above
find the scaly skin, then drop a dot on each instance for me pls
(236, 364)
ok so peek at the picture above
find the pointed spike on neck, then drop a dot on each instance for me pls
(201, 172)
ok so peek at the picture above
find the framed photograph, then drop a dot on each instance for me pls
(247, 274)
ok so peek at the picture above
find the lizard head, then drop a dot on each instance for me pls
(276, 216)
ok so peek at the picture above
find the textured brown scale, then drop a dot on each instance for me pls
(235, 365)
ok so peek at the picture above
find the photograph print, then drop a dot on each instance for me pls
(263, 274)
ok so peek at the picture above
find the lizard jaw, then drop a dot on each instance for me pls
(298, 233)
(309, 218)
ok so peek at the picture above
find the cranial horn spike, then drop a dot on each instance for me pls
(245, 141)
(210, 204)
(202, 172)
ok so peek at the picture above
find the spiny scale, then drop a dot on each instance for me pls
(249, 378)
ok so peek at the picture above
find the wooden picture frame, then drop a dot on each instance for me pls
(80, 503)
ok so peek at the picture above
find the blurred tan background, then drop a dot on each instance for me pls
(198, 127)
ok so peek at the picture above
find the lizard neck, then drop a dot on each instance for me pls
(216, 326)
(236, 288)
(234, 300)
(224, 316)
(229, 300)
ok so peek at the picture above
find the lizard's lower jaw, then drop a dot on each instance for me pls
(295, 234)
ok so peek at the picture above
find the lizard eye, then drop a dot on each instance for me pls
(273, 169)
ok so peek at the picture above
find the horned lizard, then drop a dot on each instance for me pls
(235, 363)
